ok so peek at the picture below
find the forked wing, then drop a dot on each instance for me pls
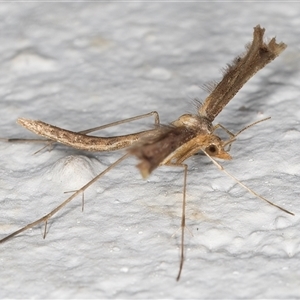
(258, 55)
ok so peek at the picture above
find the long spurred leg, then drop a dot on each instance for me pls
(64, 203)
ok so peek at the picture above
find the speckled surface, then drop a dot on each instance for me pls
(86, 64)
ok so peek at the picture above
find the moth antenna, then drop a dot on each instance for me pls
(239, 132)
(250, 125)
(244, 186)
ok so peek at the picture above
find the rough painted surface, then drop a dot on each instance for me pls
(82, 65)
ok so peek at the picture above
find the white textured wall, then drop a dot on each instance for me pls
(86, 64)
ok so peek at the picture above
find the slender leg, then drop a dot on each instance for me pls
(182, 223)
(156, 122)
(184, 166)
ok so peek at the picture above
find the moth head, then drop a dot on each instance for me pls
(215, 148)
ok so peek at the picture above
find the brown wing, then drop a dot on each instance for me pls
(258, 55)
(152, 151)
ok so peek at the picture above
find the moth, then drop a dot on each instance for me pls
(174, 143)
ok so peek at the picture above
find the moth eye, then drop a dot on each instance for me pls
(212, 149)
